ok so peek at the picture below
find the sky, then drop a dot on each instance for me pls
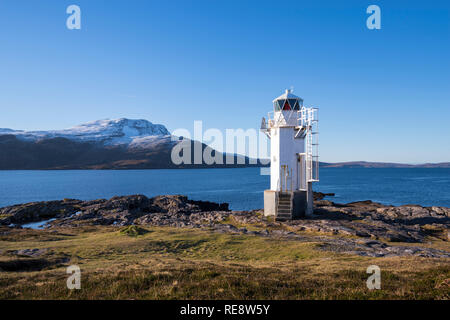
(383, 95)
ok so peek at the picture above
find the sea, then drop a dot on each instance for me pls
(242, 188)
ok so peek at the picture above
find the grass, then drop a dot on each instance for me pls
(133, 231)
(172, 263)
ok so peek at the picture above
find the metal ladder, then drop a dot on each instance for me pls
(312, 144)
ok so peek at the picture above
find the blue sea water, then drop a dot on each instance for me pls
(242, 188)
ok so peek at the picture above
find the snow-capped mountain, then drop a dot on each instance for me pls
(107, 132)
(102, 144)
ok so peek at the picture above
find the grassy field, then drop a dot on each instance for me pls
(170, 263)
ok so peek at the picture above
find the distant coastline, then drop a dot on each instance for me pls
(143, 166)
(127, 144)
(366, 164)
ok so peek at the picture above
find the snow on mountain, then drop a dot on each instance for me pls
(108, 132)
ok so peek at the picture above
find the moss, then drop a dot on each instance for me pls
(133, 231)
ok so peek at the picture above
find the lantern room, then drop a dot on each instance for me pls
(287, 102)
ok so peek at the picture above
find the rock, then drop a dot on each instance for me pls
(393, 236)
(441, 211)
(323, 203)
(360, 233)
(243, 230)
(226, 228)
(30, 252)
(115, 211)
(367, 223)
(320, 195)
(283, 233)
(37, 211)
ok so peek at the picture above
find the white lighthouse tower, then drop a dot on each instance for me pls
(294, 159)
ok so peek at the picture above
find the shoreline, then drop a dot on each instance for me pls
(170, 247)
(193, 167)
(365, 221)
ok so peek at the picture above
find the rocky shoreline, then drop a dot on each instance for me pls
(363, 228)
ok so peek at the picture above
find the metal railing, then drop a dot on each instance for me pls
(281, 119)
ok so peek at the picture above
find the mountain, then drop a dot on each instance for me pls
(119, 144)
(104, 144)
(107, 132)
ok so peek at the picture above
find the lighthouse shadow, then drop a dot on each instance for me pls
(327, 210)
(329, 214)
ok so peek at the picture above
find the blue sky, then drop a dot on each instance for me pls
(384, 95)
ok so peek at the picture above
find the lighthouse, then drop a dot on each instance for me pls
(294, 160)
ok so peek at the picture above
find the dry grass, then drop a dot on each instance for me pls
(169, 263)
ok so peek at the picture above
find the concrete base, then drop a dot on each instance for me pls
(301, 204)
(270, 202)
(310, 205)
